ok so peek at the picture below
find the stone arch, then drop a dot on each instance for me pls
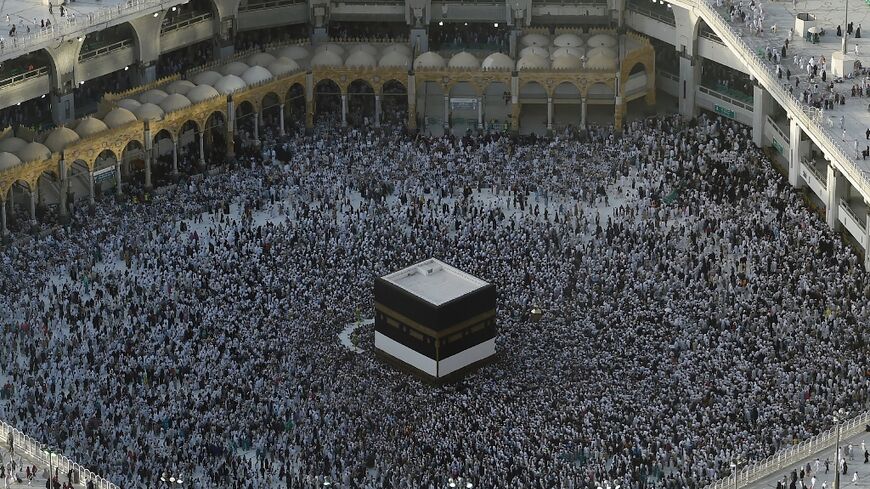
(294, 106)
(48, 195)
(567, 104)
(64, 59)
(464, 100)
(533, 100)
(431, 115)
(133, 162)
(78, 174)
(360, 102)
(497, 105)
(327, 100)
(270, 110)
(394, 102)
(19, 202)
(246, 111)
(215, 136)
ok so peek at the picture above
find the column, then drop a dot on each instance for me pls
(34, 194)
(689, 75)
(759, 113)
(62, 107)
(583, 112)
(447, 112)
(281, 120)
(231, 128)
(63, 212)
(866, 236)
(256, 129)
(480, 112)
(91, 186)
(119, 189)
(412, 101)
(618, 115)
(146, 73)
(832, 207)
(4, 230)
(515, 102)
(796, 152)
(175, 158)
(343, 110)
(149, 155)
(377, 110)
(419, 40)
(202, 149)
(549, 113)
(309, 100)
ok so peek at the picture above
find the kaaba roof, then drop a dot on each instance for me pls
(435, 281)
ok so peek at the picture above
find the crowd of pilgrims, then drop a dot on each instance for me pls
(695, 312)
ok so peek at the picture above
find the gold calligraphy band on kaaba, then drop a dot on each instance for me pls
(429, 331)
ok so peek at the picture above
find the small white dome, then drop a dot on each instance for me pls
(129, 104)
(536, 50)
(329, 47)
(395, 59)
(365, 47)
(601, 40)
(119, 116)
(149, 112)
(397, 48)
(229, 84)
(8, 160)
(498, 61)
(207, 78)
(282, 66)
(174, 102)
(533, 62)
(429, 59)
(360, 59)
(567, 62)
(464, 60)
(256, 74)
(535, 39)
(90, 126)
(60, 138)
(201, 92)
(261, 59)
(575, 52)
(234, 68)
(327, 58)
(33, 152)
(601, 62)
(293, 52)
(12, 144)
(180, 87)
(154, 96)
(568, 40)
(606, 52)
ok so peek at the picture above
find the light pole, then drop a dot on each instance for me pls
(735, 464)
(838, 418)
(49, 451)
(846, 27)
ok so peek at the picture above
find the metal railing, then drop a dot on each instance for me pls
(725, 98)
(845, 205)
(186, 22)
(806, 116)
(35, 450)
(668, 75)
(72, 26)
(648, 12)
(250, 6)
(777, 129)
(787, 457)
(103, 50)
(20, 77)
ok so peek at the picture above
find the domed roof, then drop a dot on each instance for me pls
(536, 50)
(327, 58)
(261, 59)
(576, 52)
(90, 126)
(293, 52)
(606, 52)
(8, 160)
(464, 60)
(395, 59)
(360, 59)
(58, 139)
(533, 62)
(365, 47)
(129, 104)
(429, 59)
(330, 46)
(201, 92)
(234, 68)
(568, 40)
(207, 78)
(119, 116)
(601, 40)
(282, 66)
(229, 84)
(397, 48)
(600, 61)
(535, 39)
(256, 74)
(567, 62)
(12, 144)
(497, 61)
(148, 112)
(180, 86)
(34, 152)
(174, 102)
(153, 96)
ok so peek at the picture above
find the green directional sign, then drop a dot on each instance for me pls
(723, 111)
(777, 146)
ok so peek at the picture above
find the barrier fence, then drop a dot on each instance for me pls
(36, 451)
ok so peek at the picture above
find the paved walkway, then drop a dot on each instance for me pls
(853, 466)
(829, 14)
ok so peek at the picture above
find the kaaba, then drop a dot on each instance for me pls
(434, 320)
